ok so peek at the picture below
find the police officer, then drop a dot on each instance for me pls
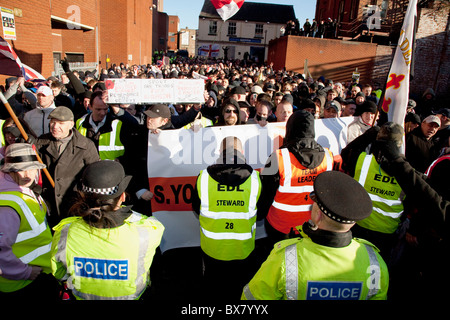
(25, 237)
(386, 194)
(226, 198)
(289, 175)
(325, 263)
(105, 251)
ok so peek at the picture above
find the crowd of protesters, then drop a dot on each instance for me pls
(236, 93)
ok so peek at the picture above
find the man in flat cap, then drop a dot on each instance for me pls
(66, 152)
(325, 262)
(25, 237)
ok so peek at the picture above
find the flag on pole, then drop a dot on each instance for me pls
(227, 8)
(306, 70)
(11, 65)
(9, 61)
(396, 94)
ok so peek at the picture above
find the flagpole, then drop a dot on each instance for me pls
(24, 134)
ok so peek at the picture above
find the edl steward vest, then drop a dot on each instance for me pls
(228, 217)
(109, 145)
(291, 206)
(385, 193)
(34, 238)
(106, 264)
(304, 270)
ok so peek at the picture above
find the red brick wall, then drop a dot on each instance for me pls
(34, 42)
(333, 59)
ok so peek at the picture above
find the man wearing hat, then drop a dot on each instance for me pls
(158, 118)
(420, 149)
(25, 235)
(332, 109)
(37, 119)
(386, 195)
(325, 262)
(65, 152)
(364, 120)
(441, 137)
(104, 251)
(412, 121)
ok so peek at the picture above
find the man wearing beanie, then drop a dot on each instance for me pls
(325, 262)
(364, 118)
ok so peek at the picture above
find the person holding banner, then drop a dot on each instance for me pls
(226, 197)
(289, 175)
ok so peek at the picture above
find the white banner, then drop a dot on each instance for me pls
(175, 158)
(138, 91)
(9, 24)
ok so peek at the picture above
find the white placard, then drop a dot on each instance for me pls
(139, 91)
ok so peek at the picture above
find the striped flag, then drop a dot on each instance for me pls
(10, 63)
(227, 8)
(30, 74)
(396, 94)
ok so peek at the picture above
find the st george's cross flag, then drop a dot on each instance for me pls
(396, 94)
(227, 8)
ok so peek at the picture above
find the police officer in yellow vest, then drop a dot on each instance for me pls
(325, 262)
(107, 129)
(105, 251)
(384, 191)
(289, 175)
(226, 198)
(25, 238)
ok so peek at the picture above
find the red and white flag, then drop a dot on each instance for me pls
(11, 65)
(30, 73)
(227, 8)
(396, 94)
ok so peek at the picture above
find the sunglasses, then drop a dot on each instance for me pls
(230, 111)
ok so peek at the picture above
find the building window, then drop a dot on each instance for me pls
(213, 27)
(231, 28)
(259, 28)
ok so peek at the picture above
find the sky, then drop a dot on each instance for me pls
(189, 10)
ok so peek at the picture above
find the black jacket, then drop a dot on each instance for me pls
(419, 151)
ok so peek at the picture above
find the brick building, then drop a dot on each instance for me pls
(174, 25)
(87, 31)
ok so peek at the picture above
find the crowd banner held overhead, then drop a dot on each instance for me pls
(141, 91)
(227, 8)
(396, 94)
(175, 158)
(209, 50)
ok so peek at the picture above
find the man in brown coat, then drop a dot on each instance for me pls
(66, 153)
